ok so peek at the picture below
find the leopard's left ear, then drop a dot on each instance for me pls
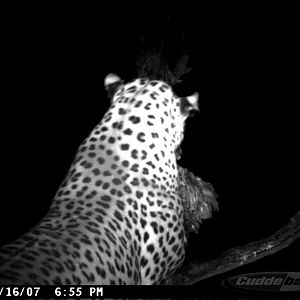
(189, 104)
(112, 83)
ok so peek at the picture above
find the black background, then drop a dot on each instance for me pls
(244, 141)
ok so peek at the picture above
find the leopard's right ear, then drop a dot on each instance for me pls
(189, 104)
(112, 84)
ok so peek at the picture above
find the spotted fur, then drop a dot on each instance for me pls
(117, 217)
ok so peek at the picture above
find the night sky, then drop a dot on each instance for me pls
(244, 141)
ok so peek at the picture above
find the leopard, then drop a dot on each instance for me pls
(117, 217)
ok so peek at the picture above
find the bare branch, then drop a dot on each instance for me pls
(239, 256)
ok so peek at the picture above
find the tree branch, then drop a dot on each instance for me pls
(239, 256)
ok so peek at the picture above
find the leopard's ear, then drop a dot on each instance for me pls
(112, 83)
(189, 104)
